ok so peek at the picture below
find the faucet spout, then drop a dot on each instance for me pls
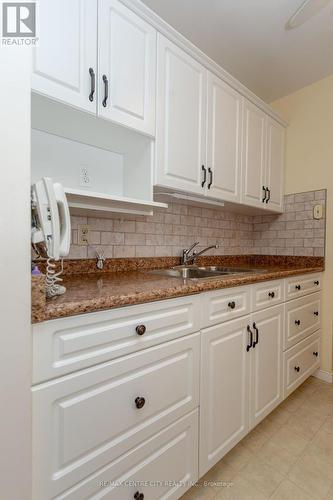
(187, 258)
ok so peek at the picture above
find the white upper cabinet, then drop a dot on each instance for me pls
(266, 383)
(254, 155)
(127, 67)
(65, 62)
(275, 163)
(224, 140)
(181, 119)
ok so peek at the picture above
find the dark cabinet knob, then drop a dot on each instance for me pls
(232, 305)
(297, 322)
(316, 354)
(316, 282)
(298, 287)
(139, 496)
(140, 329)
(140, 402)
(316, 313)
(271, 294)
(297, 368)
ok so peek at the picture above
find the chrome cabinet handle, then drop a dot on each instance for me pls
(92, 84)
(248, 347)
(210, 177)
(203, 168)
(106, 90)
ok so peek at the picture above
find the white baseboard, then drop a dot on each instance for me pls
(325, 376)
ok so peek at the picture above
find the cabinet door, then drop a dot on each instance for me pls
(127, 59)
(66, 52)
(275, 163)
(254, 155)
(180, 126)
(224, 390)
(266, 363)
(224, 129)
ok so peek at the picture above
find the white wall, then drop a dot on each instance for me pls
(15, 334)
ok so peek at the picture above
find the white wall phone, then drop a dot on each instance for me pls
(51, 228)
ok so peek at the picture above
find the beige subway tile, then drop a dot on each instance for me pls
(106, 250)
(303, 197)
(75, 221)
(124, 226)
(94, 237)
(144, 251)
(97, 224)
(163, 251)
(112, 238)
(124, 251)
(155, 239)
(77, 252)
(135, 239)
(171, 219)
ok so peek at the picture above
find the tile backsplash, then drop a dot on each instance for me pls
(167, 232)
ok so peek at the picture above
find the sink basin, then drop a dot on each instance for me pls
(208, 272)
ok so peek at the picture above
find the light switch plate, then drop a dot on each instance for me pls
(318, 212)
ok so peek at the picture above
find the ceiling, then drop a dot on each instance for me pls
(248, 39)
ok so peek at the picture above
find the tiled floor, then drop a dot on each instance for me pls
(288, 456)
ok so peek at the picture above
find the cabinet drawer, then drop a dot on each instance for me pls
(302, 285)
(267, 294)
(300, 362)
(223, 305)
(302, 318)
(169, 456)
(68, 344)
(85, 420)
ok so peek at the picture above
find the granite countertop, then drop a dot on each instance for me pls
(91, 291)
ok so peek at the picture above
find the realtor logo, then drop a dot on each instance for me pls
(19, 23)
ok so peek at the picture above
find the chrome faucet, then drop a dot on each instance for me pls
(187, 258)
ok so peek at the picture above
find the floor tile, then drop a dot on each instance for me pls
(279, 416)
(328, 425)
(221, 473)
(199, 492)
(306, 422)
(321, 449)
(290, 440)
(289, 491)
(311, 476)
(277, 457)
(238, 457)
(242, 489)
(256, 439)
(264, 477)
(329, 495)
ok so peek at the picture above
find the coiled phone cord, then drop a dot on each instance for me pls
(52, 287)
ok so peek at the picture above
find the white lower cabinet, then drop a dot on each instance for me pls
(84, 421)
(225, 383)
(137, 402)
(266, 379)
(160, 467)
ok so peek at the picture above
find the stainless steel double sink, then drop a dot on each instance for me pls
(206, 272)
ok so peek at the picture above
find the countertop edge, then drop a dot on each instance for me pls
(192, 288)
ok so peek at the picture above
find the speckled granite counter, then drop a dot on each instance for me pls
(95, 291)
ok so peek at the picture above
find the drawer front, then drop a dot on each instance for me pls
(65, 345)
(267, 294)
(302, 285)
(83, 421)
(169, 456)
(302, 318)
(224, 305)
(300, 362)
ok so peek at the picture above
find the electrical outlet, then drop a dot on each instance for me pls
(84, 176)
(318, 212)
(83, 234)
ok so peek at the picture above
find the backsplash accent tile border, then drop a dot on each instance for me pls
(167, 232)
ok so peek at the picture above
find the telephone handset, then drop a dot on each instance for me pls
(51, 228)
